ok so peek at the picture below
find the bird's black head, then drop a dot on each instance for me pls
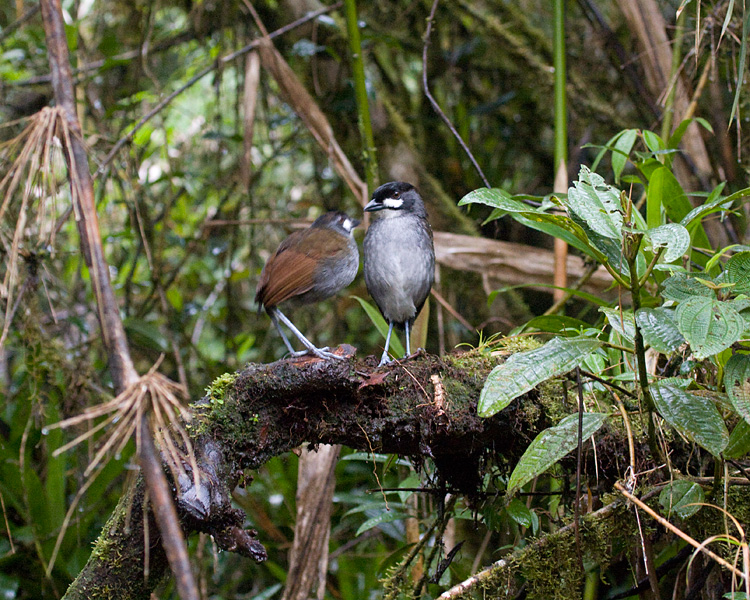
(397, 196)
(336, 220)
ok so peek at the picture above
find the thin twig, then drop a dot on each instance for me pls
(434, 103)
(454, 313)
(662, 521)
(579, 460)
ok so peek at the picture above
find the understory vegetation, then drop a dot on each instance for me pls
(213, 130)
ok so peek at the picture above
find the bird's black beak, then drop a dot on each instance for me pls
(374, 205)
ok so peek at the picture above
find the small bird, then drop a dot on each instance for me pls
(399, 257)
(309, 266)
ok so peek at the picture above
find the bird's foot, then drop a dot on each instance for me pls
(326, 355)
(385, 359)
(323, 353)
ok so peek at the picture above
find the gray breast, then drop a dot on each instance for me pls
(399, 265)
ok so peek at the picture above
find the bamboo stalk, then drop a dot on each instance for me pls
(369, 152)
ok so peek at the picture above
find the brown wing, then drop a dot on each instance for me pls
(291, 270)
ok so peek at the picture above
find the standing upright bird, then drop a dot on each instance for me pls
(309, 266)
(399, 256)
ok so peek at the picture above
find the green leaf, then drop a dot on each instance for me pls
(653, 141)
(658, 329)
(495, 197)
(664, 190)
(682, 498)
(621, 321)
(396, 347)
(709, 325)
(550, 446)
(738, 272)
(621, 151)
(739, 441)
(597, 204)
(525, 370)
(681, 287)
(741, 67)
(554, 324)
(737, 383)
(675, 237)
(520, 513)
(696, 417)
(384, 517)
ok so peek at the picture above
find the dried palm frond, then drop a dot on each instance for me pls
(152, 396)
(35, 159)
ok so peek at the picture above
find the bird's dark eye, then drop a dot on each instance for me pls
(396, 194)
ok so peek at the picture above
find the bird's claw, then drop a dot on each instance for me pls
(384, 360)
(322, 353)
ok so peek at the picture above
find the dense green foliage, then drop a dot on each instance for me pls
(191, 207)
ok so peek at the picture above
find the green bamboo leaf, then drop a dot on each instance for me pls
(738, 272)
(672, 236)
(696, 417)
(551, 445)
(653, 141)
(741, 67)
(737, 383)
(621, 321)
(597, 204)
(739, 441)
(384, 517)
(525, 370)
(708, 325)
(381, 325)
(680, 287)
(621, 151)
(658, 329)
(682, 498)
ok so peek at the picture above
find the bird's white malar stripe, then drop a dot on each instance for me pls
(392, 203)
(348, 225)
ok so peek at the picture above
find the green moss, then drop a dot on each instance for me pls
(218, 388)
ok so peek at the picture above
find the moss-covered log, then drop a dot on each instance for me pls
(422, 408)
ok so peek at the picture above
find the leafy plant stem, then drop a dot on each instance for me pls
(615, 275)
(360, 92)
(717, 484)
(640, 350)
(642, 281)
(619, 347)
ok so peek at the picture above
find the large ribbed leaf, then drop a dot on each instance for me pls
(658, 329)
(709, 325)
(674, 237)
(738, 272)
(739, 441)
(737, 383)
(621, 321)
(680, 287)
(696, 417)
(597, 204)
(551, 445)
(525, 370)
(682, 498)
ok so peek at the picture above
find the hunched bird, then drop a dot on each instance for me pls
(399, 257)
(309, 266)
